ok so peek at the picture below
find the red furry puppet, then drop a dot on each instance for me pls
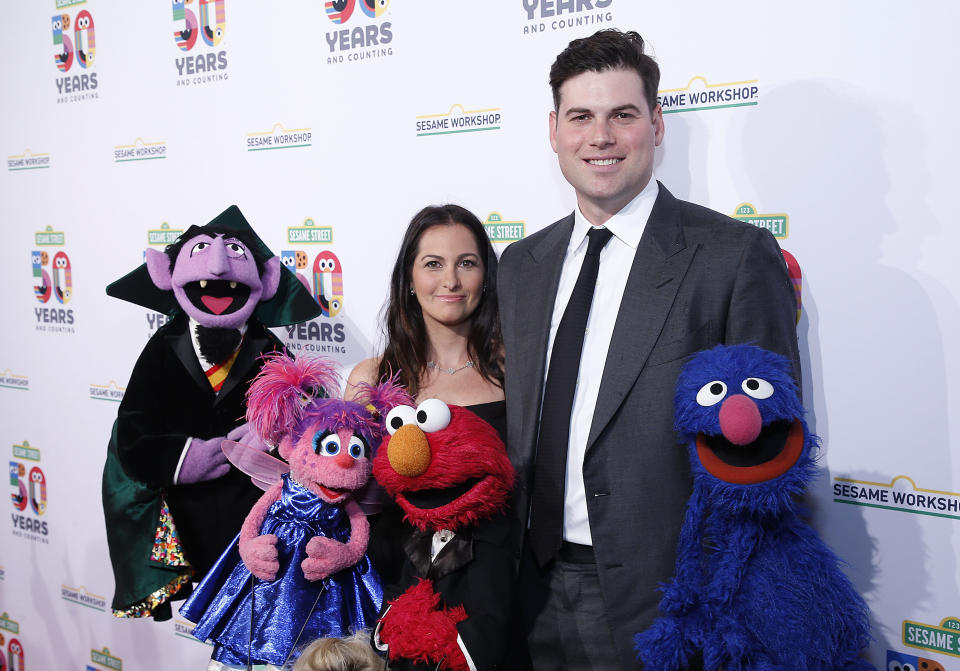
(448, 471)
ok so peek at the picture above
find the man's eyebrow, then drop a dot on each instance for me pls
(623, 108)
(577, 110)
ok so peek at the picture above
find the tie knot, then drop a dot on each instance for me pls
(598, 237)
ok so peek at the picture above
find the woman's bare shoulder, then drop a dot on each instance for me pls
(363, 372)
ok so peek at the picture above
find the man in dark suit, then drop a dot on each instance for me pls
(599, 312)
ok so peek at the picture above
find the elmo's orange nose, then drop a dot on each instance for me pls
(409, 451)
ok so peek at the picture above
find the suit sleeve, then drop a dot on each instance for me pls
(763, 305)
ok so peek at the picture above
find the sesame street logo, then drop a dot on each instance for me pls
(901, 494)
(10, 380)
(900, 661)
(280, 138)
(81, 597)
(74, 56)
(159, 237)
(500, 230)
(459, 120)
(209, 62)
(369, 37)
(28, 161)
(943, 638)
(139, 151)
(8, 624)
(564, 14)
(104, 658)
(57, 283)
(29, 489)
(778, 224)
(698, 95)
(107, 392)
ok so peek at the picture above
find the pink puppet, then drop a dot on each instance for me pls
(298, 569)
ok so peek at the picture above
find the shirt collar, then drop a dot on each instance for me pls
(627, 225)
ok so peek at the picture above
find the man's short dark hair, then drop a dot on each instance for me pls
(608, 49)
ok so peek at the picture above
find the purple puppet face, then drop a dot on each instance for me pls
(215, 279)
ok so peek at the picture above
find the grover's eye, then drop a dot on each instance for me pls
(757, 388)
(400, 415)
(357, 448)
(433, 415)
(711, 393)
(327, 444)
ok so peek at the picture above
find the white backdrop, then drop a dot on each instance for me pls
(844, 140)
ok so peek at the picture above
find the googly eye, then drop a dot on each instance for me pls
(36, 476)
(757, 388)
(199, 247)
(357, 448)
(711, 393)
(331, 265)
(433, 415)
(236, 249)
(895, 665)
(400, 415)
(334, 304)
(326, 444)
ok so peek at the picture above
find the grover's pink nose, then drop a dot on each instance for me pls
(740, 420)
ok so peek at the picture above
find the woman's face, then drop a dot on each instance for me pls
(447, 275)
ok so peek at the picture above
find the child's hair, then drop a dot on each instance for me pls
(353, 653)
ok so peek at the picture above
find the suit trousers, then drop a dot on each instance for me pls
(564, 613)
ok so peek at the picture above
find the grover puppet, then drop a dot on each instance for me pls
(755, 586)
(305, 539)
(171, 500)
(448, 471)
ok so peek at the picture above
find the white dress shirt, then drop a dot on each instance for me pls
(616, 259)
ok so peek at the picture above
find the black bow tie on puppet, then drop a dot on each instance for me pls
(755, 586)
(171, 500)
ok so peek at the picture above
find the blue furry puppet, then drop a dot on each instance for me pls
(756, 589)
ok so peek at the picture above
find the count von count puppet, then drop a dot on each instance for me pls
(171, 500)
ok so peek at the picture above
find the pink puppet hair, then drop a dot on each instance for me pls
(383, 396)
(283, 388)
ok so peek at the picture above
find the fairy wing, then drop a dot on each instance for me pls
(263, 469)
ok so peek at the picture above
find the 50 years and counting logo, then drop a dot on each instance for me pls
(29, 495)
(12, 657)
(208, 63)
(52, 279)
(369, 36)
(74, 54)
(554, 15)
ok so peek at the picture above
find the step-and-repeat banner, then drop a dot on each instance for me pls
(331, 122)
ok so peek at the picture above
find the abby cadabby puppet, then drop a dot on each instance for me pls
(756, 589)
(298, 569)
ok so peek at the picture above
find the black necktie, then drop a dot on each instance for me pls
(546, 514)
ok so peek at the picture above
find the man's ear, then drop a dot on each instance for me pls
(270, 278)
(158, 265)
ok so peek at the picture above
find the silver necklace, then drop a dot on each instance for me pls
(449, 371)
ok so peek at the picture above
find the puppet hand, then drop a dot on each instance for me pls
(417, 628)
(259, 555)
(246, 434)
(204, 461)
(325, 557)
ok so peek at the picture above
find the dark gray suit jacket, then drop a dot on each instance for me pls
(698, 279)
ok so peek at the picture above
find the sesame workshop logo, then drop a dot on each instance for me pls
(29, 489)
(28, 161)
(159, 238)
(58, 283)
(209, 62)
(943, 638)
(901, 494)
(10, 380)
(324, 335)
(698, 95)
(279, 138)
(370, 36)
(500, 230)
(184, 629)
(900, 661)
(79, 596)
(107, 392)
(564, 14)
(459, 120)
(80, 83)
(139, 150)
(105, 659)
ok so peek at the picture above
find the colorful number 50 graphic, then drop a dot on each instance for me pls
(62, 286)
(14, 655)
(83, 34)
(212, 32)
(36, 495)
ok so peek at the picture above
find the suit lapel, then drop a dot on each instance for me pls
(182, 345)
(537, 278)
(661, 260)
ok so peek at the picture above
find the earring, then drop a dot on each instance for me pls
(484, 288)
(412, 292)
